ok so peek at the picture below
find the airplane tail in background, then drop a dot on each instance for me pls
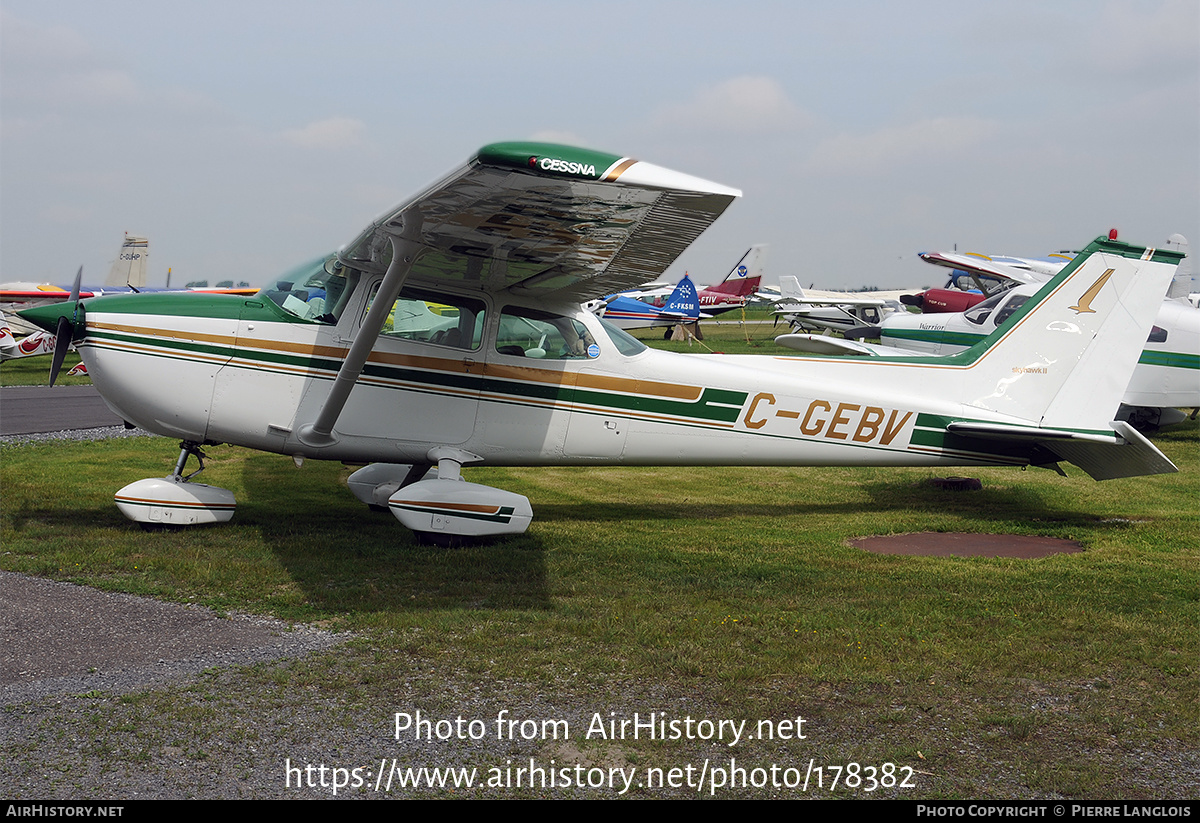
(744, 279)
(789, 287)
(683, 302)
(1183, 284)
(129, 269)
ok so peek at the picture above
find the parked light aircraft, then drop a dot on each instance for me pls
(833, 311)
(738, 287)
(1167, 376)
(509, 245)
(37, 343)
(127, 275)
(683, 306)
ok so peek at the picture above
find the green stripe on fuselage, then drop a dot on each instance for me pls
(1170, 359)
(713, 405)
(934, 336)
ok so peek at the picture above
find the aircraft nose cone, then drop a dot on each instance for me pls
(46, 317)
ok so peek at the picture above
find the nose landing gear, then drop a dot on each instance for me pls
(158, 503)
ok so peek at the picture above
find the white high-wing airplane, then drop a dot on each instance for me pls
(1167, 376)
(505, 248)
(833, 311)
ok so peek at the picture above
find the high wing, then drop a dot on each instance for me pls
(545, 220)
(791, 295)
(1014, 269)
(532, 219)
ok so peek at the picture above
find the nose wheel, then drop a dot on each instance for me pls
(158, 503)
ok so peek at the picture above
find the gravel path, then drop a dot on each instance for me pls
(60, 638)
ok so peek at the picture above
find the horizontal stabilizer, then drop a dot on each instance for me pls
(1126, 454)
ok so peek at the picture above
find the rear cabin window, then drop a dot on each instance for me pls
(1010, 308)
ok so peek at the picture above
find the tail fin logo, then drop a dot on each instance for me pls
(1084, 306)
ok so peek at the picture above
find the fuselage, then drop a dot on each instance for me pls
(249, 372)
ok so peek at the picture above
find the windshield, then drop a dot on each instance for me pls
(981, 311)
(317, 290)
(625, 342)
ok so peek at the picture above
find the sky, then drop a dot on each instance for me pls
(245, 137)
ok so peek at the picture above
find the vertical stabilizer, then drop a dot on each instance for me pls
(129, 269)
(789, 286)
(1064, 359)
(745, 277)
(683, 301)
(1184, 282)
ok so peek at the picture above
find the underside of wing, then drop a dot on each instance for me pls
(546, 221)
(974, 264)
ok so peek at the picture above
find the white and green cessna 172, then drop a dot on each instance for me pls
(450, 332)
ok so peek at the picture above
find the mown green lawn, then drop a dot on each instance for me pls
(730, 592)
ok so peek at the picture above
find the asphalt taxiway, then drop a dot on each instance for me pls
(40, 409)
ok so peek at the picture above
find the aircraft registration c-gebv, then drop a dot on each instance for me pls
(450, 332)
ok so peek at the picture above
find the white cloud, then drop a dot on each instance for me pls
(746, 105)
(331, 133)
(933, 138)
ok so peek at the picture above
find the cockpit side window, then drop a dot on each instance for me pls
(533, 333)
(434, 317)
(1010, 308)
(318, 290)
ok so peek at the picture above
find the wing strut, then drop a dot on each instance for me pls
(319, 433)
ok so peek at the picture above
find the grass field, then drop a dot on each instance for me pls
(35, 371)
(727, 594)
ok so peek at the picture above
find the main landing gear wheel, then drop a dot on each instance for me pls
(432, 499)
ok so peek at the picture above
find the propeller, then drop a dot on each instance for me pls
(64, 330)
